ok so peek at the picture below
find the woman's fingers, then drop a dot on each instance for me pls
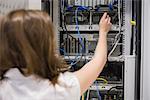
(109, 19)
(104, 16)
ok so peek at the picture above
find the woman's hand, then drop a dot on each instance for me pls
(105, 24)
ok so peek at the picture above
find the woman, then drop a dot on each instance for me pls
(27, 41)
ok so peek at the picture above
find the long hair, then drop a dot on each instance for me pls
(27, 40)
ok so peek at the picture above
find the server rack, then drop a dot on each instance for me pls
(88, 29)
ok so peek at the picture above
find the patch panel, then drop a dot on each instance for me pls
(73, 45)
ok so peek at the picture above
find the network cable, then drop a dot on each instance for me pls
(102, 79)
(63, 19)
(115, 87)
(98, 92)
(77, 27)
(79, 35)
(62, 50)
(76, 59)
(118, 36)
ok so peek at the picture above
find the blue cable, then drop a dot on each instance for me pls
(69, 8)
(110, 5)
(72, 62)
(98, 92)
(79, 35)
(77, 27)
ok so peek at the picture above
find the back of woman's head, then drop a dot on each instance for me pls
(27, 40)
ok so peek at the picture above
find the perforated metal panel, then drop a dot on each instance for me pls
(9, 5)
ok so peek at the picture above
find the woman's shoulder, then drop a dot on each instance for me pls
(68, 78)
(67, 86)
(69, 82)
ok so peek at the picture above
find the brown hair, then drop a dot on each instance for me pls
(27, 40)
